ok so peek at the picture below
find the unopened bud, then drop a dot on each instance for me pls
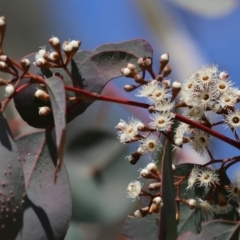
(25, 63)
(141, 212)
(53, 56)
(131, 66)
(3, 58)
(152, 168)
(164, 58)
(137, 214)
(159, 78)
(9, 89)
(42, 95)
(54, 41)
(173, 168)
(75, 44)
(166, 71)
(133, 158)
(145, 173)
(158, 200)
(129, 88)
(176, 88)
(145, 63)
(3, 82)
(154, 186)
(166, 83)
(126, 72)
(156, 205)
(176, 85)
(223, 75)
(44, 111)
(40, 62)
(138, 79)
(2, 21)
(3, 65)
(191, 203)
(67, 47)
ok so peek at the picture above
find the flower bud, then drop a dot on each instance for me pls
(67, 47)
(133, 158)
(126, 72)
(164, 58)
(159, 78)
(2, 21)
(3, 65)
(145, 173)
(154, 186)
(3, 82)
(166, 71)
(75, 44)
(142, 212)
(129, 88)
(166, 83)
(9, 89)
(152, 168)
(138, 79)
(40, 62)
(44, 111)
(54, 56)
(131, 66)
(191, 203)
(42, 95)
(2, 27)
(54, 41)
(223, 75)
(158, 200)
(176, 88)
(3, 58)
(25, 62)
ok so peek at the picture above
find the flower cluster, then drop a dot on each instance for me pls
(204, 177)
(206, 90)
(134, 190)
(209, 89)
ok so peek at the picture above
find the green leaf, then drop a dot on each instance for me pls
(56, 91)
(168, 224)
(48, 205)
(215, 229)
(12, 187)
(142, 228)
(188, 220)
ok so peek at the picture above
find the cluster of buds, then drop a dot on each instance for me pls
(161, 95)
(45, 59)
(207, 89)
(134, 190)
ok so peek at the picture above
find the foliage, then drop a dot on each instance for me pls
(50, 89)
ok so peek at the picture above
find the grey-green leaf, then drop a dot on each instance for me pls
(12, 187)
(56, 91)
(48, 205)
(215, 229)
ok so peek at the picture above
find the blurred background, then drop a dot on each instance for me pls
(194, 33)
